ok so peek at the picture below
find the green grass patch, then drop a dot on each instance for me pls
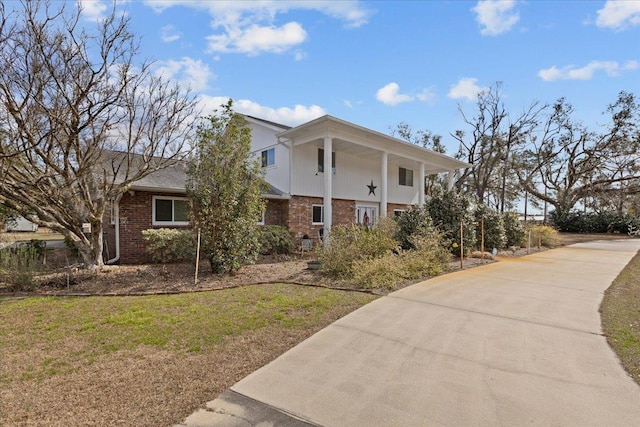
(42, 337)
(620, 311)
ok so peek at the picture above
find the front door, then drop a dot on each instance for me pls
(366, 215)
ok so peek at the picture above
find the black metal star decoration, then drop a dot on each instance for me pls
(372, 188)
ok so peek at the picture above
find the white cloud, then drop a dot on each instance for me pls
(496, 16)
(169, 34)
(570, 72)
(288, 116)
(348, 104)
(466, 88)
(256, 39)
(390, 95)
(188, 72)
(92, 10)
(299, 55)
(249, 26)
(619, 15)
(426, 95)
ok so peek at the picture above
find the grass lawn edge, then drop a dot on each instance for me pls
(620, 317)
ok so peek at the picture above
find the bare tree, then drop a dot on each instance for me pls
(83, 119)
(573, 164)
(489, 147)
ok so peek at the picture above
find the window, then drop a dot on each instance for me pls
(321, 161)
(318, 214)
(170, 211)
(261, 220)
(268, 157)
(112, 211)
(406, 177)
(398, 212)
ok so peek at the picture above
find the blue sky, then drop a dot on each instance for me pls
(379, 63)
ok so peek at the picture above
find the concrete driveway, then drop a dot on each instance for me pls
(512, 343)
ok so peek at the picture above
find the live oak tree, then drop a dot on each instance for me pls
(83, 118)
(571, 163)
(225, 185)
(489, 146)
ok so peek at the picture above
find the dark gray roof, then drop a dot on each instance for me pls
(171, 180)
(280, 125)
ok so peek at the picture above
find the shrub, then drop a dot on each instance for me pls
(513, 229)
(429, 258)
(446, 211)
(414, 222)
(546, 235)
(353, 242)
(169, 244)
(72, 249)
(378, 273)
(494, 234)
(275, 239)
(19, 265)
(606, 221)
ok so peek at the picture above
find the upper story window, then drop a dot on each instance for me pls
(170, 210)
(269, 157)
(405, 177)
(321, 161)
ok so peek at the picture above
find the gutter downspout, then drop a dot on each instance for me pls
(116, 209)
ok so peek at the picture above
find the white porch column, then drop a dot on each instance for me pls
(291, 165)
(451, 180)
(421, 185)
(383, 185)
(328, 175)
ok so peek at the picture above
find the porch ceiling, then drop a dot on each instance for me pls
(365, 143)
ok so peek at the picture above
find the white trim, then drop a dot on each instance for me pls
(321, 214)
(163, 223)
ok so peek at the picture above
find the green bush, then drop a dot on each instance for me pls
(414, 222)
(275, 239)
(72, 249)
(546, 235)
(349, 243)
(19, 265)
(514, 230)
(494, 233)
(169, 244)
(429, 258)
(446, 211)
(605, 221)
(384, 272)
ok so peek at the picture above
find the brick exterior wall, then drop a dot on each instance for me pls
(135, 216)
(277, 212)
(301, 215)
(296, 214)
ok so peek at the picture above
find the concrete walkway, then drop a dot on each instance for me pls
(508, 344)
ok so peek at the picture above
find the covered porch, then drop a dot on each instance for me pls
(392, 170)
